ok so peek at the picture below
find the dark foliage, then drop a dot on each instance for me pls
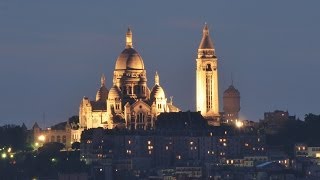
(13, 136)
(75, 146)
(297, 131)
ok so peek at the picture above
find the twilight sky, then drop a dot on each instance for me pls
(52, 53)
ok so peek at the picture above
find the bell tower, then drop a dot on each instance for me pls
(207, 79)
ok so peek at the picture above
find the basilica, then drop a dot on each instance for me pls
(129, 102)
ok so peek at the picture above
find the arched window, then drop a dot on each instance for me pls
(64, 139)
(140, 118)
(143, 89)
(208, 67)
(130, 90)
(136, 89)
(58, 139)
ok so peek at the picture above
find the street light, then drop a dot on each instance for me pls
(42, 138)
(239, 124)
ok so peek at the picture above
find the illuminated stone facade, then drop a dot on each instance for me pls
(65, 135)
(129, 103)
(207, 79)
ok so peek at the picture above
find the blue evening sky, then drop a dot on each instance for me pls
(52, 53)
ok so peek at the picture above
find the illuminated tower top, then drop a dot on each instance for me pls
(206, 47)
(156, 79)
(103, 80)
(129, 39)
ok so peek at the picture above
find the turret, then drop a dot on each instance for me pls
(231, 103)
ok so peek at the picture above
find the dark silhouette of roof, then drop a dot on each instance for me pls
(181, 121)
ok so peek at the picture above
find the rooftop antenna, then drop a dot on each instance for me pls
(231, 78)
(44, 119)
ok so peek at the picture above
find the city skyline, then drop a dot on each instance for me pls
(50, 60)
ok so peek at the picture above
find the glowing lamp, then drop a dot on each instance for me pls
(239, 124)
(42, 138)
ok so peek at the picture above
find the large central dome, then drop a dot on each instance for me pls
(129, 57)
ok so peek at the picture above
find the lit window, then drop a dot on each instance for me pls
(149, 142)
(167, 147)
(129, 142)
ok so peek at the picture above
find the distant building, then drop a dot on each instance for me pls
(64, 133)
(180, 139)
(274, 122)
(303, 150)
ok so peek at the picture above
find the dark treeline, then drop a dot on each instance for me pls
(13, 136)
(297, 131)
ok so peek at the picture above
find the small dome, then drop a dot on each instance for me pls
(129, 59)
(114, 93)
(157, 92)
(102, 94)
(231, 92)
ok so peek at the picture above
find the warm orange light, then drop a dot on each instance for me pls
(239, 124)
(42, 138)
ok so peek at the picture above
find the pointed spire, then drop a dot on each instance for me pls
(205, 29)
(156, 79)
(35, 126)
(206, 42)
(103, 80)
(129, 38)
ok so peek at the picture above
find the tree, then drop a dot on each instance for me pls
(75, 146)
(13, 136)
(51, 149)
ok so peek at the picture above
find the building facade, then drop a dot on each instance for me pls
(67, 135)
(179, 139)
